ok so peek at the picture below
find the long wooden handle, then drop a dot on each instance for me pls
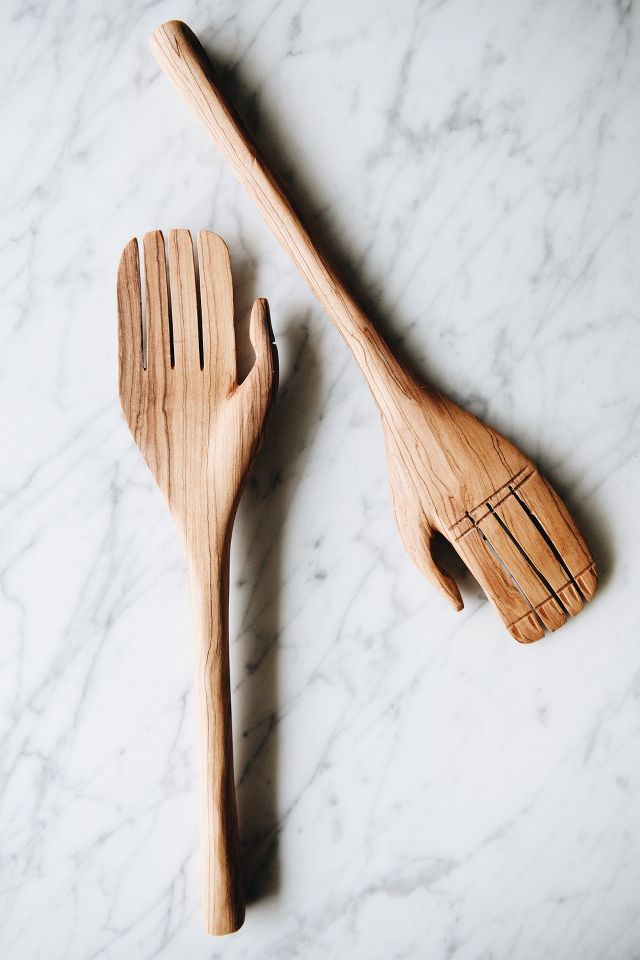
(222, 887)
(181, 56)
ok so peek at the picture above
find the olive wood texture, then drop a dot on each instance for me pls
(198, 431)
(449, 472)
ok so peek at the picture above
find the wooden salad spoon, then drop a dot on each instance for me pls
(449, 472)
(198, 431)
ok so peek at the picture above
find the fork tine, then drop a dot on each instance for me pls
(216, 297)
(514, 610)
(184, 303)
(552, 515)
(157, 300)
(129, 321)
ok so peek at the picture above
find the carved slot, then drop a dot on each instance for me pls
(169, 311)
(491, 549)
(538, 573)
(196, 267)
(549, 542)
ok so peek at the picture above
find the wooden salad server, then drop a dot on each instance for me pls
(198, 431)
(449, 472)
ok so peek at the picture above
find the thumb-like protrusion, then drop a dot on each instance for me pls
(435, 574)
(263, 376)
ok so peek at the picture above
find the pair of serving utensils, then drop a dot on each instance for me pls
(199, 431)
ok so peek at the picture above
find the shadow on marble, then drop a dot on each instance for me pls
(449, 560)
(258, 543)
(270, 135)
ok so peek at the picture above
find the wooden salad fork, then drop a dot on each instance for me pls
(198, 431)
(449, 472)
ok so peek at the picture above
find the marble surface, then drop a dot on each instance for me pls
(412, 783)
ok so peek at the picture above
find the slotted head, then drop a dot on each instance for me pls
(177, 366)
(528, 555)
(464, 480)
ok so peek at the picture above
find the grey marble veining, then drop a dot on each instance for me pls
(412, 783)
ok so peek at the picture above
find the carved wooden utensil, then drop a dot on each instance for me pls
(198, 432)
(449, 472)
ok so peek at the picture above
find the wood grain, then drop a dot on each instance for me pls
(198, 432)
(449, 472)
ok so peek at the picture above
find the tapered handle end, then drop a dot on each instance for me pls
(173, 35)
(222, 916)
(182, 57)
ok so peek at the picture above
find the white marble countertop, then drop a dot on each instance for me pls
(412, 782)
